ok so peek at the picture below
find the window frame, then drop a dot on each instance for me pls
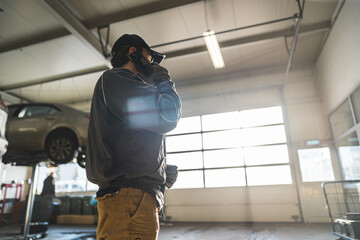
(244, 166)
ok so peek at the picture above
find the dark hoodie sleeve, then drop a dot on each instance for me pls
(140, 105)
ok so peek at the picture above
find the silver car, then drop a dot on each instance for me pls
(55, 129)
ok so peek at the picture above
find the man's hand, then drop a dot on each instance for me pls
(171, 175)
(160, 74)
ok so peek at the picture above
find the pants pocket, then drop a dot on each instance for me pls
(136, 198)
(145, 220)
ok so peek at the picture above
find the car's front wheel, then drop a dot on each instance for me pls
(61, 147)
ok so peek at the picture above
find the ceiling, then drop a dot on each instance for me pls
(50, 50)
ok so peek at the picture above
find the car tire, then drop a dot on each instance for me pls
(81, 159)
(61, 147)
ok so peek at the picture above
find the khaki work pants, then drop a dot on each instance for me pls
(129, 214)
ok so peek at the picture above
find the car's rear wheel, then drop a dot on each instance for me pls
(61, 147)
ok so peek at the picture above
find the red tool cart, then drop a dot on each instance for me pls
(5, 189)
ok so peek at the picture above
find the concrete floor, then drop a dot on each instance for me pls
(197, 231)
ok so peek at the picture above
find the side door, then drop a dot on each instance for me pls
(316, 165)
(29, 126)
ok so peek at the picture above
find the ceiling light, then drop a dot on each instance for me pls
(213, 49)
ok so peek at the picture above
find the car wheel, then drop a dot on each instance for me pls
(81, 159)
(61, 147)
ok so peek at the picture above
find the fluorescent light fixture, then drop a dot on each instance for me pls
(213, 49)
(312, 142)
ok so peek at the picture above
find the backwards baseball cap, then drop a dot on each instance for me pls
(136, 41)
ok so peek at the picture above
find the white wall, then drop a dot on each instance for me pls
(338, 67)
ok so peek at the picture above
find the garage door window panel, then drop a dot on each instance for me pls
(266, 155)
(263, 135)
(189, 142)
(222, 139)
(232, 177)
(187, 125)
(223, 158)
(191, 160)
(270, 175)
(189, 179)
(220, 121)
(261, 117)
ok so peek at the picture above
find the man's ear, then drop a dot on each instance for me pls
(131, 50)
(130, 54)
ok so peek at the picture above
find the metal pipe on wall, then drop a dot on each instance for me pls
(286, 122)
(299, 17)
(292, 50)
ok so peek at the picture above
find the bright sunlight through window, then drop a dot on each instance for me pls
(231, 149)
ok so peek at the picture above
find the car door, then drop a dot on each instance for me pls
(29, 126)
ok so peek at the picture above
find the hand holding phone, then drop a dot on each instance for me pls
(160, 74)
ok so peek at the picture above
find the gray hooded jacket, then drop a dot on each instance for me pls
(128, 120)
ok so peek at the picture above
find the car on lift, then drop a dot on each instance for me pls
(42, 131)
(3, 119)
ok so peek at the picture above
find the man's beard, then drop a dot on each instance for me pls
(143, 66)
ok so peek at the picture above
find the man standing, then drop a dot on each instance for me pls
(49, 185)
(134, 104)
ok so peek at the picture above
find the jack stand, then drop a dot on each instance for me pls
(30, 204)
